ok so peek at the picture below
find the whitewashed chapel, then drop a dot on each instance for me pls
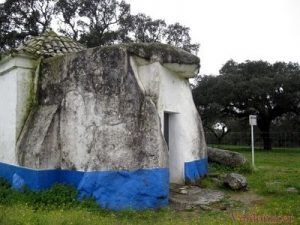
(116, 122)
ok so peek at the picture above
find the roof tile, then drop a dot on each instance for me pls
(49, 44)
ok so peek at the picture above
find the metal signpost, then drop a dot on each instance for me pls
(252, 122)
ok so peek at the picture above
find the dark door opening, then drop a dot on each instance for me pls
(166, 127)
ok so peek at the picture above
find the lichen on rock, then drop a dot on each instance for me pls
(105, 122)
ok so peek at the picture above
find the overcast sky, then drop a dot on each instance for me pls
(237, 29)
(233, 29)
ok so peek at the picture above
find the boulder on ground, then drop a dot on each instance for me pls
(225, 157)
(235, 181)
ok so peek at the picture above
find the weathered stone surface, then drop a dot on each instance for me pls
(225, 157)
(161, 53)
(194, 196)
(235, 181)
(41, 139)
(103, 120)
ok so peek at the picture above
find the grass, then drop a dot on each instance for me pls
(276, 171)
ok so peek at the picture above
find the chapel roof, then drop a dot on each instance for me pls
(49, 44)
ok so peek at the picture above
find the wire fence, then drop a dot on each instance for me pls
(278, 139)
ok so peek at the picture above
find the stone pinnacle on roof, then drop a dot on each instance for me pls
(49, 44)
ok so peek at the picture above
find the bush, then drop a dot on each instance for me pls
(4, 184)
(5, 191)
(57, 196)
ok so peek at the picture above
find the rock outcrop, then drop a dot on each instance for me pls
(92, 115)
(225, 157)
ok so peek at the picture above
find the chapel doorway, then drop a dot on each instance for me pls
(172, 137)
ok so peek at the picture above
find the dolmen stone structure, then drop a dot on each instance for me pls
(118, 122)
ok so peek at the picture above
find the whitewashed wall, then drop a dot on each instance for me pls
(16, 83)
(170, 90)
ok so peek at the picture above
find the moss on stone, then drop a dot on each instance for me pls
(31, 102)
(163, 53)
(156, 52)
(56, 64)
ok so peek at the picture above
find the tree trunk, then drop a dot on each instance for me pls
(267, 140)
(264, 127)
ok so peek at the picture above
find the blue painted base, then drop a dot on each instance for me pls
(117, 190)
(194, 170)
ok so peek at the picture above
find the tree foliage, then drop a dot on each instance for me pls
(20, 18)
(147, 30)
(91, 22)
(178, 36)
(102, 21)
(69, 11)
(253, 87)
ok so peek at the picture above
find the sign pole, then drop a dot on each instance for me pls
(252, 122)
(252, 144)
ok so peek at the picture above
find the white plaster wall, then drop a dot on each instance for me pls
(171, 93)
(16, 77)
(25, 79)
(8, 98)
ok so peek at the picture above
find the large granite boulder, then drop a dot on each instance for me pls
(235, 181)
(225, 157)
(92, 115)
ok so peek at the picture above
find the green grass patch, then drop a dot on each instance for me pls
(244, 169)
(276, 171)
(57, 197)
